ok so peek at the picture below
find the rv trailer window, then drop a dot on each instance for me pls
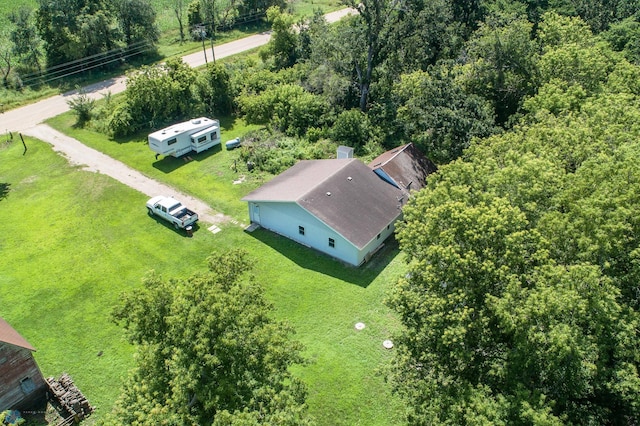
(172, 141)
(214, 136)
(202, 139)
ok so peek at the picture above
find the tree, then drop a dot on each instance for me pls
(215, 91)
(178, 10)
(209, 352)
(424, 32)
(352, 128)
(194, 14)
(624, 37)
(24, 36)
(155, 95)
(330, 57)
(75, 29)
(286, 107)
(502, 65)
(436, 114)
(6, 62)
(284, 38)
(137, 21)
(82, 105)
(375, 17)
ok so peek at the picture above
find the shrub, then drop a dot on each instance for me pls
(352, 128)
(82, 105)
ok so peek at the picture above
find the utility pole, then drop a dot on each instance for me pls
(213, 31)
(201, 31)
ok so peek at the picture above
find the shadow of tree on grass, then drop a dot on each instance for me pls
(4, 190)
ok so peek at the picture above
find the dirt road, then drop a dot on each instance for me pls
(20, 119)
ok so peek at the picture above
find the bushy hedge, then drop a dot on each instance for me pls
(274, 153)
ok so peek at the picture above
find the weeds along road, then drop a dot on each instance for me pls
(28, 119)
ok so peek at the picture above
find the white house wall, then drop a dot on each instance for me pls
(373, 244)
(286, 218)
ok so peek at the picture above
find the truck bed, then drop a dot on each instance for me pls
(186, 216)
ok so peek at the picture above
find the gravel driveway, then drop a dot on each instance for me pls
(91, 160)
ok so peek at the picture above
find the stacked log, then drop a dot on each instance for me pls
(69, 397)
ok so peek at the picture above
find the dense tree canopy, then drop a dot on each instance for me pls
(76, 29)
(521, 301)
(208, 352)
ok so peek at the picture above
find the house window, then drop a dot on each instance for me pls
(301, 230)
(388, 226)
(27, 385)
(332, 242)
(378, 237)
(172, 141)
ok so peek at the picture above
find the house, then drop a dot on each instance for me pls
(21, 383)
(336, 206)
(404, 167)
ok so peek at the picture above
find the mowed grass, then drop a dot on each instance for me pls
(72, 241)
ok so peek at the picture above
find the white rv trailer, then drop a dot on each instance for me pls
(196, 135)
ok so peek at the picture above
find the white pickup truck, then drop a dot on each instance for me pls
(172, 211)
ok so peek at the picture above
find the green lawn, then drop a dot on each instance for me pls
(71, 241)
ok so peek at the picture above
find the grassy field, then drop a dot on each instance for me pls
(72, 241)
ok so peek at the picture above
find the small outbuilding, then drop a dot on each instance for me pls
(339, 207)
(21, 382)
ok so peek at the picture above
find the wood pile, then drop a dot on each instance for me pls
(68, 396)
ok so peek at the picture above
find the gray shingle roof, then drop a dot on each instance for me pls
(406, 166)
(345, 194)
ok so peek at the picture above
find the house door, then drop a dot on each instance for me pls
(256, 213)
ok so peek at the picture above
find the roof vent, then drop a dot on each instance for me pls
(349, 178)
(196, 121)
(328, 194)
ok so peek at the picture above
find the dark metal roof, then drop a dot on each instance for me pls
(9, 335)
(343, 193)
(406, 166)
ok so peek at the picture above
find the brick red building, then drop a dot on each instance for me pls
(21, 382)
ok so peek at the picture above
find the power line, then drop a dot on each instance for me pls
(86, 64)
